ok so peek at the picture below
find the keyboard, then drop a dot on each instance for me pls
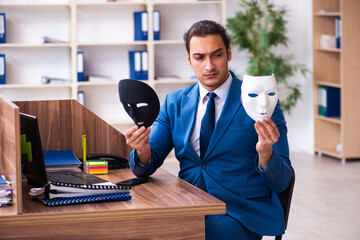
(74, 177)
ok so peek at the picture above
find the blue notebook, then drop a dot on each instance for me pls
(2, 180)
(110, 197)
(61, 157)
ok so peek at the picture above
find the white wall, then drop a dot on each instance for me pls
(299, 32)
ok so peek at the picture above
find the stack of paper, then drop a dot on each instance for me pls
(5, 192)
(96, 167)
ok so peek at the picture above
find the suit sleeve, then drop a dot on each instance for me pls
(278, 173)
(160, 142)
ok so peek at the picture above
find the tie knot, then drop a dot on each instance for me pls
(212, 95)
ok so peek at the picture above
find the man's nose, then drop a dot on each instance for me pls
(209, 65)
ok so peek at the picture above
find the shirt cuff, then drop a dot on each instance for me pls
(138, 163)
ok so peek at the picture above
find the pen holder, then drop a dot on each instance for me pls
(96, 167)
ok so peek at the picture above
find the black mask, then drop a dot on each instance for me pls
(140, 101)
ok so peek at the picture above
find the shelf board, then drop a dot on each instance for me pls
(40, 45)
(335, 50)
(336, 120)
(163, 42)
(177, 81)
(105, 83)
(105, 44)
(16, 85)
(36, 5)
(134, 43)
(328, 152)
(329, 84)
(168, 2)
(105, 3)
(333, 13)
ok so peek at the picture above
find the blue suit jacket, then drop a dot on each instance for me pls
(230, 166)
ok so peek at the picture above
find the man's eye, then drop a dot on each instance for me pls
(252, 95)
(198, 58)
(271, 93)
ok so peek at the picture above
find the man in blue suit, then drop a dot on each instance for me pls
(246, 162)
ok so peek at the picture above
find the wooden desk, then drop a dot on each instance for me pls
(164, 208)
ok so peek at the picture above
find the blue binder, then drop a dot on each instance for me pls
(135, 65)
(329, 101)
(141, 26)
(156, 19)
(81, 97)
(338, 32)
(138, 61)
(2, 69)
(80, 66)
(2, 28)
(110, 197)
(144, 65)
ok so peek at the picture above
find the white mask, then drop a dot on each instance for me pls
(259, 95)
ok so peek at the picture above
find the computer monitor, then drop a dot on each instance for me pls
(32, 159)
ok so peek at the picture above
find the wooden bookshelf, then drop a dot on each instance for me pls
(104, 31)
(340, 68)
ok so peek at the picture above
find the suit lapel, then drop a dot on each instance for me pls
(231, 106)
(189, 104)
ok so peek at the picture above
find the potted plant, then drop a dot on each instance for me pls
(257, 28)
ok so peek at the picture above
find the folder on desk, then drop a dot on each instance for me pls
(141, 26)
(80, 66)
(138, 61)
(2, 28)
(2, 69)
(156, 19)
(60, 160)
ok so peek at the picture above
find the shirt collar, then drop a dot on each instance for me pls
(221, 91)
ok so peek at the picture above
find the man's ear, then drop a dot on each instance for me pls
(229, 53)
(188, 59)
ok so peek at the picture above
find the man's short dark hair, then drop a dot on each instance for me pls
(204, 28)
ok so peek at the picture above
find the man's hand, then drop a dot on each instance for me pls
(138, 138)
(268, 134)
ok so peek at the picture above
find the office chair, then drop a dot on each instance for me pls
(285, 200)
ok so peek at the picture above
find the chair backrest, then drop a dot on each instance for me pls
(285, 200)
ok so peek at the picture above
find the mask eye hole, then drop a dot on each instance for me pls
(139, 105)
(252, 95)
(271, 93)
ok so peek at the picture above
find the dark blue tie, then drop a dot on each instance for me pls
(207, 125)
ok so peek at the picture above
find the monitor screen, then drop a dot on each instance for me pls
(32, 159)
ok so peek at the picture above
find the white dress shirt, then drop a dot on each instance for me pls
(221, 95)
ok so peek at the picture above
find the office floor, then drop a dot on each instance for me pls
(326, 199)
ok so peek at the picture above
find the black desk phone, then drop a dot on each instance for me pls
(114, 161)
